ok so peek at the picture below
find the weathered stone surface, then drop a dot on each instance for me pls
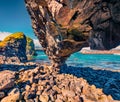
(55, 87)
(44, 98)
(64, 88)
(68, 93)
(16, 48)
(7, 79)
(64, 26)
(2, 94)
(106, 23)
(27, 87)
(58, 33)
(29, 95)
(13, 96)
(30, 47)
(13, 48)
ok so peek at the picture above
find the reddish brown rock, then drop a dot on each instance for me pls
(13, 96)
(7, 79)
(68, 93)
(44, 98)
(76, 89)
(64, 26)
(13, 48)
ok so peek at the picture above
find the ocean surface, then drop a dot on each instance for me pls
(85, 60)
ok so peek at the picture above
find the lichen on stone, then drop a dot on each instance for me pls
(30, 47)
(17, 35)
(14, 45)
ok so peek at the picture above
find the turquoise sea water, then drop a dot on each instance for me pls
(82, 60)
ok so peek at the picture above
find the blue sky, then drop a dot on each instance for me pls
(14, 17)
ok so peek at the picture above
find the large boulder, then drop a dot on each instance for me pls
(7, 80)
(14, 45)
(13, 96)
(64, 26)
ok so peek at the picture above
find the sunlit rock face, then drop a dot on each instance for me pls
(13, 48)
(64, 26)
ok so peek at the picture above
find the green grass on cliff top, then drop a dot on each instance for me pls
(17, 36)
(29, 40)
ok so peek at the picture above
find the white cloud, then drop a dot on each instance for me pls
(37, 43)
(4, 34)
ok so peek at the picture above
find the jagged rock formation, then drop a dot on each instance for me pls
(30, 47)
(16, 47)
(105, 23)
(34, 82)
(7, 79)
(64, 26)
(13, 48)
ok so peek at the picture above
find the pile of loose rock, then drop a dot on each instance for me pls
(107, 79)
(9, 60)
(43, 84)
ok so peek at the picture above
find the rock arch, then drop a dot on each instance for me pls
(65, 26)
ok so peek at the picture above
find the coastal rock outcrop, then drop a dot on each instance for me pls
(57, 26)
(45, 85)
(30, 47)
(16, 47)
(13, 47)
(64, 26)
(42, 83)
(105, 23)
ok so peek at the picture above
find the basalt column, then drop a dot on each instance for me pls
(64, 26)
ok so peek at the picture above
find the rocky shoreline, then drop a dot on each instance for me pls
(101, 52)
(87, 50)
(35, 82)
(62, 28)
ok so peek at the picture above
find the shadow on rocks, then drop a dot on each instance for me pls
(109, 81)
(13, 67)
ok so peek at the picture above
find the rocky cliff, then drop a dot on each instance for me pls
(14, 45)
(30, 47)
(65, 26)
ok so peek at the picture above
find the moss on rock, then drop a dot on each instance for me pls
(11, 38)
(30, 47)
(17, 35)
(2, 44)
(17, 44)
